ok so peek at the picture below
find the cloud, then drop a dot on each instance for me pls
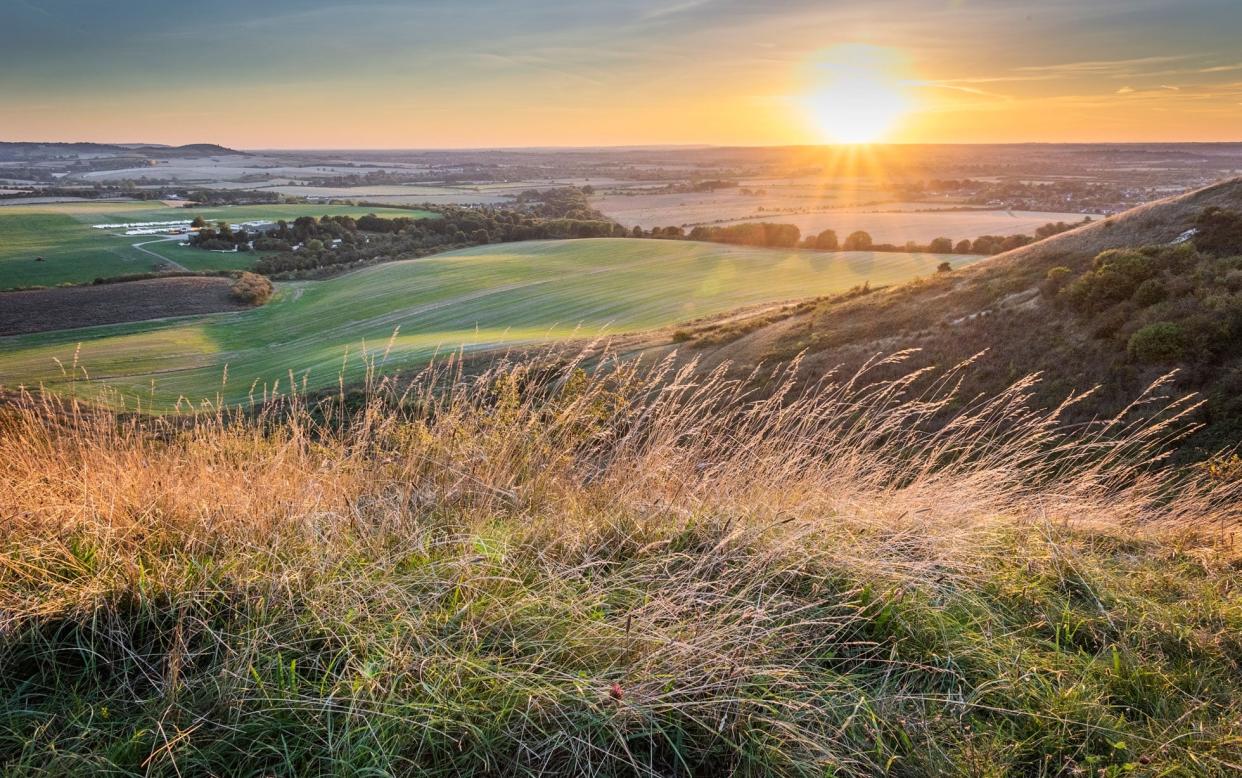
(1125, 90)
(1104, 67)
(670, 10)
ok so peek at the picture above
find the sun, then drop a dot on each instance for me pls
(856, 94)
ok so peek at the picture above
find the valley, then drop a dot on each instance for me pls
(401, 314)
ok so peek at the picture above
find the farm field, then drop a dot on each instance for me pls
(895, 222)
(64, 307)
(74, 252)
(403, 313)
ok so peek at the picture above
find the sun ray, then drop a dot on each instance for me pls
(856, 94)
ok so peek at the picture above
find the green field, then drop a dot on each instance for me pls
(479, 298)
(74, 252)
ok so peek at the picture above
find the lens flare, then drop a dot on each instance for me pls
(857, 94)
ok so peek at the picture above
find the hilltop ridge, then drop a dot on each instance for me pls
(1003, 310)
(34, 150)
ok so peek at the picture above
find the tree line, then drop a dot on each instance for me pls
(789, 236)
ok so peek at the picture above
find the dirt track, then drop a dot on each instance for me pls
(41, 310)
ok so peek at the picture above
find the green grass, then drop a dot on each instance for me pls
(74, 252)
(479, 298)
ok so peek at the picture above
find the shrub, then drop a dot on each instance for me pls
(1055, 280)
(1156, 343)
(1116, 275)
(1150, 292)
(1219, 232)
(252, 289)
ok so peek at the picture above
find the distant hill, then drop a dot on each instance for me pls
(189, 150)
(1119, 320)
(28, 151)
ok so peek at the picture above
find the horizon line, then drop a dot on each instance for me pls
(637, 147)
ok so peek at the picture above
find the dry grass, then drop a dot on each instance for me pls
(616, 571)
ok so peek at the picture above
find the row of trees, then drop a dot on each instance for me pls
(788, 236)
(374, 238)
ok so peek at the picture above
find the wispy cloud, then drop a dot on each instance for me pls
(661, 11)
(1221, 68)
(1104, 67)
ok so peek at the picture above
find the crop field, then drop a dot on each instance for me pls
(401, 314)
(74, 252)
(816, 210)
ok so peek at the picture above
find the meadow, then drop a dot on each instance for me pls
(316, 333)
(74, 252)
(549, 571)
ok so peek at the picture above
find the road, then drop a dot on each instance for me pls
(161, 257)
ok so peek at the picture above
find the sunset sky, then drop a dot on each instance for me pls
(447, 73)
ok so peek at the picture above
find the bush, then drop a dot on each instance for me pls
(1116, 276)
(1219, 232)
(1157, 343)
(252, 289)
(1150, 292)
(1055, 280)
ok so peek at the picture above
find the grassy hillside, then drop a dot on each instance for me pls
(74, 252)
(405, 312)
(1077, 326)
(542, 572)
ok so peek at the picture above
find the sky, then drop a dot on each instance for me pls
(512, 73)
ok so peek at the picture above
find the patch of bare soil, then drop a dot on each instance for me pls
(62, 308)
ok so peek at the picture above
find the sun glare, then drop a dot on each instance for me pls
(856, 94)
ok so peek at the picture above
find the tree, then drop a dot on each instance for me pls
(826, 240)
(985, 244)
(198, 223)
(944, 267)
(858, 241)
(252, 289)
(962, 247)
(941, 246)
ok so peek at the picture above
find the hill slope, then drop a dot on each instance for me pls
(610, 576)
(22, 150)
(1003, 306)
